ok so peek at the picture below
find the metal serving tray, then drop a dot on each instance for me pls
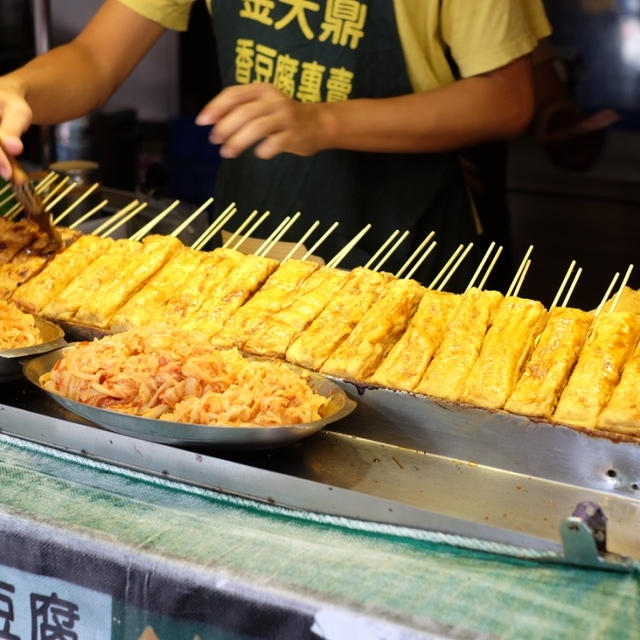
(398, 458)
(595, 459)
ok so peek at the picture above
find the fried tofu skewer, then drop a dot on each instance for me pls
(382, 326)
(538, 389)
(407, 361)
(611, 342)
(274, 336)
(267, 301)
(555, 353)
(37, 292)
(316, 343)
(375, 334)
(97, 310)
(147, 303)
(504, 352)
(229, 294)
(446, 374)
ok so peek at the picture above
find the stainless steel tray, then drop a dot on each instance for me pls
(594, 459)
(11, 359)
(179, 433)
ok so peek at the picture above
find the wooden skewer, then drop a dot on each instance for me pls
(54, 192)
(13, 213)
(52, 176)
(65, 193)
(455, 266)
(607, 293)
(124, 220)
(384, 245)
(253, 227)
(516, 278)
(241, 228)
(302, 240)
(342, 254)
(70, 208)
(322, 238)
(88, 214)
(490, 268)
(516, 291)
(215, 226)
(279, 235)
(8, 199)
(623, 284)
(446, 266)
(185, 223)
(563, 284)
(142, 232)
(113, 218)
(576, 277)
(413, 256)
(422, 258)
(269, 244)
(477, 272)
(273, 234)
(276, 238)
(15, 209)
(391, 251)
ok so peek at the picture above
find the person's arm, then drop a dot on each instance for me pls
(495, 105)
(75, 78)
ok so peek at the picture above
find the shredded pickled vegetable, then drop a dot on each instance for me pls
(172, 375)
(17, 329)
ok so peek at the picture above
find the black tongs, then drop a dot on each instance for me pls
(31, 201)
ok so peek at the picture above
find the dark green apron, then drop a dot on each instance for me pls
(417, 192)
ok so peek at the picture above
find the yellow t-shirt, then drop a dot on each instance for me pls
(481, 35)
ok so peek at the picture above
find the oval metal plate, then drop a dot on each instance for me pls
(179, 433)
(11, 359)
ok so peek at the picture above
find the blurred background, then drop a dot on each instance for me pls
(569, 187)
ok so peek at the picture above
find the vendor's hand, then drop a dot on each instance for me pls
(259, 114)
(15, 118)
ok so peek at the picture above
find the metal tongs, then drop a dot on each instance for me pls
(32, 202)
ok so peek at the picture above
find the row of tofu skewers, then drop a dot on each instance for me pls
(500, 352)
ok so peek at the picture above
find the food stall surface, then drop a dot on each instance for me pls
(180, 559)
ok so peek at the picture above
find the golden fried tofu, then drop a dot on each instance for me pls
(629, 300)
(611, 342)
(91, 281)
(145, 305)
(338, 319)
(37, 292)
(505, 350)
(230, 294)
(379, 329)
(184, 301)
(97, 310)
(408, 359)
(622, 413)
(445, 377)
(537, 391)
(273, 337)
(15, 236)
(274, 294)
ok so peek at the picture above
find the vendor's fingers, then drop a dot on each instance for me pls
(249, 134)
(272, 145)
(242, 116)
(228, 99)
(10, 146)
(15, 120)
